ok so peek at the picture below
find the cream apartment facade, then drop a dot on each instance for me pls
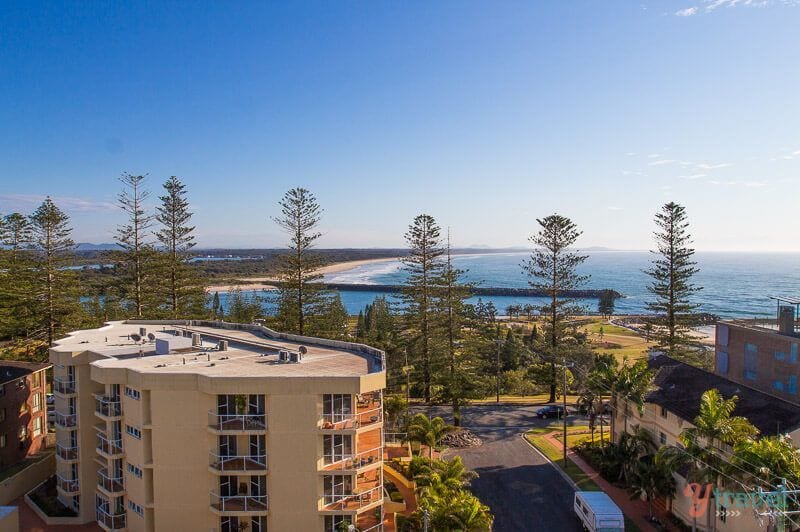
(210, 426)
(671, 406)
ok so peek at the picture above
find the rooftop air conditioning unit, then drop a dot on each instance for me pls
(294, 357)
(223, 345)
(283, 355)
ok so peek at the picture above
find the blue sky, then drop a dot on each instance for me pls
(485, 115)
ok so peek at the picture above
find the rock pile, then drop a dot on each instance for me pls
(461, 438)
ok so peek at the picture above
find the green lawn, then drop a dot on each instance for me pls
(580, 478)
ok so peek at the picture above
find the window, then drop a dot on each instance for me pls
(21, 383)
(722, 335)
(778, 385)
(37, 401)
(792, 387)
(662, 438)
(722, 361)
(36, 379)
(750, 361)
(37, 427)
(664, 412)
(793, 354)
(2, 440)
(133, 431)
(132, 393)
(23, 408)
(136, 471)
(136, 508)
(23, 432)
(780, 355)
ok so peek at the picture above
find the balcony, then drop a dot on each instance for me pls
(239, 504)
(66, 421)
(234, 464)
(360, 419)
(236, 423)
(112, 486)
(352, 502)
(67, 486)
(107, 407)
(369, 522)
(108, 521)
(353, 461)
(64, 386)
(109, 448)
(66, 453)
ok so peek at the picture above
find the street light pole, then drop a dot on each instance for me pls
(564, 398)
(497, 366)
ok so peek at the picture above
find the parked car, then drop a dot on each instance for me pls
(556, 411)
(598, 512)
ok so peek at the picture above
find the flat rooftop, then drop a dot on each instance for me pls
(253, 351)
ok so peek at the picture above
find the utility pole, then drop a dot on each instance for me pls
(497, 366)
(564, 397)
(425, 520)
(408, 379)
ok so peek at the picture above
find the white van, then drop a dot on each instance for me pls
(598, 513)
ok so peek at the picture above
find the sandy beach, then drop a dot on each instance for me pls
(267, 283)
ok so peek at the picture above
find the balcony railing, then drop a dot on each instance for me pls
(108, 483)
(108, 447)
(233, 463)
(352, 501)
(66, 420)
(66, 453)
(353, 461)
(237, 422)
(339, 421)
(395, 437)
(237, 504)
(64, 385)
(108, 406)
(67, 485)
(110, 521)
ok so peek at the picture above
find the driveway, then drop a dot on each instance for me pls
(524, 492)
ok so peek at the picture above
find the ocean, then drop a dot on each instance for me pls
(733, 284)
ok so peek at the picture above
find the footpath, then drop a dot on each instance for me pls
(635, 509)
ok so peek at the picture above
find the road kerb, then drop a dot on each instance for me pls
(553, 464)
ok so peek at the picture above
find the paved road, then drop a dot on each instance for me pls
(523, 490)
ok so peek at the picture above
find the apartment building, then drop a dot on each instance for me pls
(762, 354)
(214, 426)
(23, 410)
(672, 406)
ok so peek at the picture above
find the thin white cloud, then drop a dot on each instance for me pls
(688, 12)
(692, 177)
(654, 156)
(709, 6)
(723, 183)
(705, 166)
(661, 162)
(29, 202)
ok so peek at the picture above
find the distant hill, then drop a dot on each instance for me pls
(88, 246)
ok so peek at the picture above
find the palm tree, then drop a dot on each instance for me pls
(651, 477)
(428, 431)
(467, 513)
(632, 382)
(633, 447)
(447, 474)
(769, 460)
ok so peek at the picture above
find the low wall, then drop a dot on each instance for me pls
(27, 479)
